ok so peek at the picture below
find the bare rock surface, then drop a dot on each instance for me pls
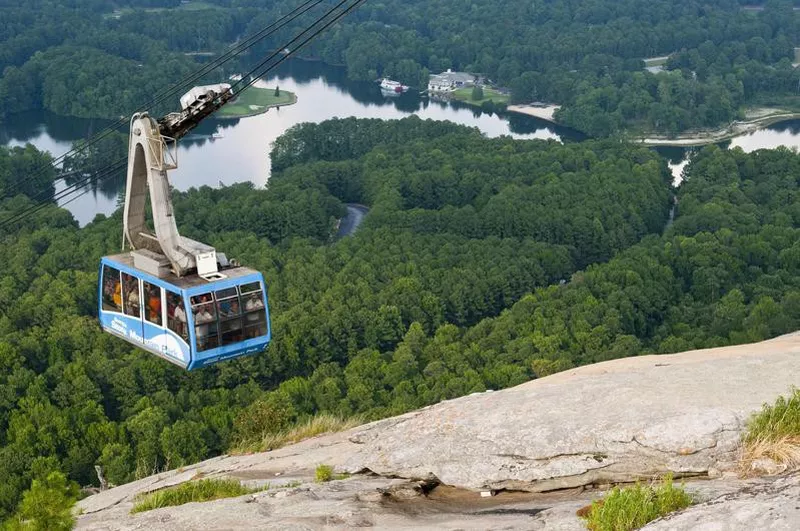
(616, 421)
(612, 422)
(352, 503)
(772, 504)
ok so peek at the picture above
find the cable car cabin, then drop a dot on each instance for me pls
(189, 321)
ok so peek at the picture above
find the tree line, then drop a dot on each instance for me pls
(81, 59)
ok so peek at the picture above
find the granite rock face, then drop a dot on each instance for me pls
(617, 421)
(765, 505)
(589, 427)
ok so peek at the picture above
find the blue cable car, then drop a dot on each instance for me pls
(188, 321)
(169, 295)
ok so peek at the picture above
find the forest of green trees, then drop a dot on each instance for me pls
(483, 263)
(104, 57)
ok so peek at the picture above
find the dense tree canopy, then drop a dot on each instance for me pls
(449, 287)
(587, 56)
(72, 397)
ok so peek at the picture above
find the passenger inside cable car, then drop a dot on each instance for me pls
(189, 321)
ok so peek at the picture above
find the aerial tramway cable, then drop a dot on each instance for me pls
(108, 171)
(181, 85)
(100, 176)
(291, 43)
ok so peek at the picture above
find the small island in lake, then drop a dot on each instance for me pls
(256, 100)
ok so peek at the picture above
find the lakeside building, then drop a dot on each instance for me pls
(450, 81)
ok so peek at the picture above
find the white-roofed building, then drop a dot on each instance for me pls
(449, 81)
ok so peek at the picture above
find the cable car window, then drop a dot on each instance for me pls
(255, 319)
(112, 290)
(230, 320)
(205, 320)
(227, 303)
(249, 288)
(176, 315)
(152, 301)
(130, 294)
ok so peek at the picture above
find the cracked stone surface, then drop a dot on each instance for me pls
(615, 421)
(770, 504)
(612, 422)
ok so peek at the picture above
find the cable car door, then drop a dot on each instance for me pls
(132, 308)
(176, 332)
(155, 336)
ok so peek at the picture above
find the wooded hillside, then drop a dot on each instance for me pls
(449, 287)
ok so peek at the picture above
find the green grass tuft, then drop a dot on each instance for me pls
(773, 433)
(192, 491)
(323, 473)
(318, 425)
(632, 507)
(777, 421)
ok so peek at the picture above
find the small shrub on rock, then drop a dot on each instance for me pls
(267, 415)
(323, 473)
(632, 507)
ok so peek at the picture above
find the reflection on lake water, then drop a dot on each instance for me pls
(781, 134)
(242, 151)
(324, 92)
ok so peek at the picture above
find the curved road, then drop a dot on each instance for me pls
(355, 215)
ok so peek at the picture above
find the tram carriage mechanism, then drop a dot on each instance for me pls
(169, 295)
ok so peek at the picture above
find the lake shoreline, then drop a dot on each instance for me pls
(545, 112)
(706, 137)
(691, 139)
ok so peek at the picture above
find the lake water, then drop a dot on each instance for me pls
(781, 134)
(242, 154)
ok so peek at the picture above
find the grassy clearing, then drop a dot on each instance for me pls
(255, 100)
(774, 433)
(489, 94)
(192, 491)
(633, 507)
(317, 425)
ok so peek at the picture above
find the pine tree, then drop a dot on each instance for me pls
(47, 505)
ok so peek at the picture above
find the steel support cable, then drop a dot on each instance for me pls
(45, 196)
(290, 45)
(178, 86)
(99, 177)
(248, 43)
(324, 27)
(99, 180)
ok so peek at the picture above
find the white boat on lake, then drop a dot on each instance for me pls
(390, 85)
